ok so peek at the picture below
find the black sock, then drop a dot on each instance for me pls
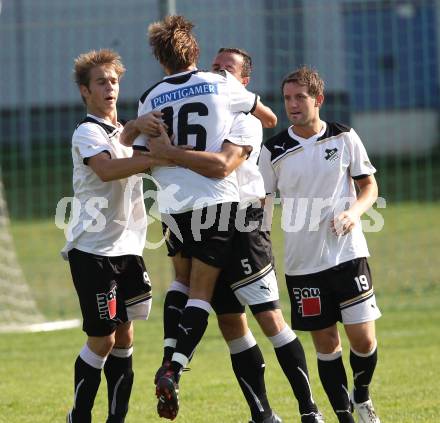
(363, 369)
(192, 326)
(87, 380)
(249, 367)
(334, 380)
(293, 362)
(119, 373)
(173, 308)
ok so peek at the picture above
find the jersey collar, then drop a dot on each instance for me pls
(310, 140)
(174, 75)
(106, 122)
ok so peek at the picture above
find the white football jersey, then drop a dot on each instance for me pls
(247, 130)
(315, 179)
(107, 218)
(198, 108)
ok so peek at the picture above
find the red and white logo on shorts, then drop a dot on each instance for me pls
(308, 301)
(107, 304)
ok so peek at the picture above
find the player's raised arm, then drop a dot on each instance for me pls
(265, 115)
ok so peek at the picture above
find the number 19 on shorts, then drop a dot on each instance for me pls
(362, 283)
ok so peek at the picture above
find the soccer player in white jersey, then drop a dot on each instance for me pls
(198, 108)
(105, 240)
(316, 165)
(249, 278)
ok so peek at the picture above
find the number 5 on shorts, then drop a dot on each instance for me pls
(246, 266)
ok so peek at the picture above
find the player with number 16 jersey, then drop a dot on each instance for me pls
(198, 108)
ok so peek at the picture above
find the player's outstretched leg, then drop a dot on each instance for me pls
(365, 411)
(291, 356)
(167, 392)
(191, 329)
(118, 371)
(334, 381)
(88, 366)
(248, 365)
(174, 305)
(363, 366)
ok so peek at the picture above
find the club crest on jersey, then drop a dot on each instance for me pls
(308, 301)
(107, 304)
(331, 154)
(184, 92)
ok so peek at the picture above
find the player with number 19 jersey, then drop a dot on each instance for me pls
(198, 108)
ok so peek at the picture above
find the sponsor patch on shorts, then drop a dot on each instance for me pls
(311, 306)
(308, 301)
(107, 304)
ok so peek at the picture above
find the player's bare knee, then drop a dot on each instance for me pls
(232, 326)
(124, 336)
(327, 341)
(182, 269)
(362, 337)
(363, 345)
(183, 278)
(182, 275)
(271, 321)
(203, 280)
(101, 345)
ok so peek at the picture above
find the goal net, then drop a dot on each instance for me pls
(18, 309)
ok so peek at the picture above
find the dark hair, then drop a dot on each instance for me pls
(173, 43)
(247, 59)
(307, 77)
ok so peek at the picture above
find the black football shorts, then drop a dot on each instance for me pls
(111, 290)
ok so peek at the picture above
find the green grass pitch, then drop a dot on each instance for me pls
(36, 370)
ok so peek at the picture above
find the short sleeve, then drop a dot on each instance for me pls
(245, 131)
(140, 142)
(241, 100)
(266, 169)
(90, 140)
(360, 165)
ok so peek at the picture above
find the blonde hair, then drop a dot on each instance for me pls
(307, 77)
(173, 43)
(86, 61)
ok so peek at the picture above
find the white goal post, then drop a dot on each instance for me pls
(18, 309)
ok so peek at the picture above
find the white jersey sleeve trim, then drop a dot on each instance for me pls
(241, 100)
(90, 140)
(241, 141)
(141, 140)
(359, 162)
(241, 132)
(267, 170)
